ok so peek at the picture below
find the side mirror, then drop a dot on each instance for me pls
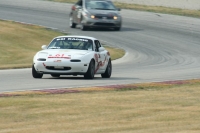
(44, 47)
(101, 49)
(119, 9)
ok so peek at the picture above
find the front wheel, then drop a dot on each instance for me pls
(91, 71)
(35, 74)
(108, 71)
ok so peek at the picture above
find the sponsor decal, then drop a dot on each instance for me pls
(60, 39)
(44, 65)
(100, 63)
(57, 61)
(63, 56)
(96, 57)
(78, 39)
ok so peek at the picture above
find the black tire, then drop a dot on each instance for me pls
(55, 75)
(71, 23)
(35, 74)
(91, 71)
(108, 71)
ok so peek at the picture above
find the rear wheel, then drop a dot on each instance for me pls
(35, 74)
(71, 22)
(91, 71)
(108, 71)
(55, 75)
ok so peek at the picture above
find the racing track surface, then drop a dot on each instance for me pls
(159, 47)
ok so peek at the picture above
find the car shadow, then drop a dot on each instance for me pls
(95, 78)
(123, 29)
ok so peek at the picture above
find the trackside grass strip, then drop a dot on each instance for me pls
(165, 107)
(157, 9)
(20, 42)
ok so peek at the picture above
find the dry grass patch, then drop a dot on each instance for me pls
(160, 9)
(115, 53)
(19, 43)
(159, 110)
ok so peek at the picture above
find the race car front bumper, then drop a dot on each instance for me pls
(61, 67)
(105, 23)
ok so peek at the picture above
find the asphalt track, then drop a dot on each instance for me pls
(159, 47)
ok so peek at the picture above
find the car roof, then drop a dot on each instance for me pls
(78, 36)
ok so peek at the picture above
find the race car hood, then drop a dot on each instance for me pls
(72, 54)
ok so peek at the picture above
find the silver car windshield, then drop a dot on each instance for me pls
(71, 43)
(100, 5)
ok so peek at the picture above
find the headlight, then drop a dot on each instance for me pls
(115, 17)
(92, 16)
(41, 56)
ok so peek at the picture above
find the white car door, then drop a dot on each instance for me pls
(101, 57)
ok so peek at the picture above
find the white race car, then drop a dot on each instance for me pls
(72, 55)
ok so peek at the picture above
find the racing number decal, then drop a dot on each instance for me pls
(60, 56)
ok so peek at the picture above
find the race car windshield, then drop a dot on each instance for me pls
(71, 43)
(100, 5)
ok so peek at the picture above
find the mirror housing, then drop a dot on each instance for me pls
(101, 49)
(44, 47)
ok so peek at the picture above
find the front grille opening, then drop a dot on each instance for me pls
(75, 60)
(103, 16)
(57, 68)
(104, 24)
(41, 59)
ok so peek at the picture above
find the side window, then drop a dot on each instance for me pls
(97, 45)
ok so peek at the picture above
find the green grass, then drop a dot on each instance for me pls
(157, 9)
(20, 42)
(150, 108)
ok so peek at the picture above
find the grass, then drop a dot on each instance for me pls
(144, 108)
(157, 9)
(20, 42)
(160, 9)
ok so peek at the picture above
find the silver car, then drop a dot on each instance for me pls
(95, 13)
